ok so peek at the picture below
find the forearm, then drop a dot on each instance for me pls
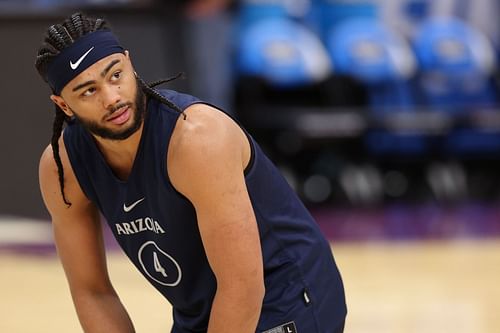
(102, 312)
(235, 310)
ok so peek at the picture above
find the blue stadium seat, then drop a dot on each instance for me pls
(378, 57)
(384, 61)
(473, 143)
(283, 52)
(456, 63)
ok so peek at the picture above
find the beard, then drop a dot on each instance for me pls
(139, 108)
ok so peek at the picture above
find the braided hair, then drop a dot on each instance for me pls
(57, 38)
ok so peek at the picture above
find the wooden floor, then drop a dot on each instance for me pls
(391, 287)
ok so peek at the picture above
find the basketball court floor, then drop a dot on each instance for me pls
(392, 286)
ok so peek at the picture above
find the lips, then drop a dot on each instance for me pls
(121, 116)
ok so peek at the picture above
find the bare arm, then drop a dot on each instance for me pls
(206, 162)
(78, 238)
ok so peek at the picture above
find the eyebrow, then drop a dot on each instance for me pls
(103, 73)
(108, 67)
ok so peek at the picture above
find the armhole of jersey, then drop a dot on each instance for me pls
(77, 173)
(251, 161)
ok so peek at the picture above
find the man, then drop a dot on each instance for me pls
(189, 196)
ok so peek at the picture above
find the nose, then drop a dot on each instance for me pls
(110, 96)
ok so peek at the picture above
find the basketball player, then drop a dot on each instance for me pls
(188, 194)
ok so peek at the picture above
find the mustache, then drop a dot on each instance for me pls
(117, 107)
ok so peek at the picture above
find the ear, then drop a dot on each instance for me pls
(126, 53)
(59, 101)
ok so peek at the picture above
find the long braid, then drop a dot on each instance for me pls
(57, 127)
(162, 81)
(57, 38)
(61, 36)
(152, 93)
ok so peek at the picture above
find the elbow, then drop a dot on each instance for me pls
(249, 292)
(252, 298)
(260, 291)
(255, 293)
(255, 289)
(82, 294)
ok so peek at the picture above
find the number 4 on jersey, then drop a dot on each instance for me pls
(158, 267)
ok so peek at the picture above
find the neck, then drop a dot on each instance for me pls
(120, 154)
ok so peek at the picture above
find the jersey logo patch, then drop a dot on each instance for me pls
(159, 265)
(129, 208)
(285, 328)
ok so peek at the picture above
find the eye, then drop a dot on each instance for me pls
(116, 75)
(89, 92)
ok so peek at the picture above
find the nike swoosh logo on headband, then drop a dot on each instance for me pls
(79, 61)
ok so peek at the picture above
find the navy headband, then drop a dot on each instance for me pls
(82, 54)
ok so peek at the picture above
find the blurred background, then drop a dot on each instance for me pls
(383, 115)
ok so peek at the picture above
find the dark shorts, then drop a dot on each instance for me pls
(340, 329)
(290, 327)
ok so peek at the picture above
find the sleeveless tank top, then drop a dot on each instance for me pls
(156, 227)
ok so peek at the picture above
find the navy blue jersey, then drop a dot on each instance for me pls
(156, 226)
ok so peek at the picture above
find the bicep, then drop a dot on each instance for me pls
(80, 248)
(229, 232)
(77, 228)
(208, 169)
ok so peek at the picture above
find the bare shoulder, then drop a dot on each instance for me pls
(206, 130)
(204, 122)
(50, 185)
(206, 137)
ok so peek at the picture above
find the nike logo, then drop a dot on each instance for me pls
(79, 61)
(129, 208)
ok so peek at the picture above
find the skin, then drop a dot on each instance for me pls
(218, 192)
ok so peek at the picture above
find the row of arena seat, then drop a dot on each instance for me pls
(448, 67)
(352, 110)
